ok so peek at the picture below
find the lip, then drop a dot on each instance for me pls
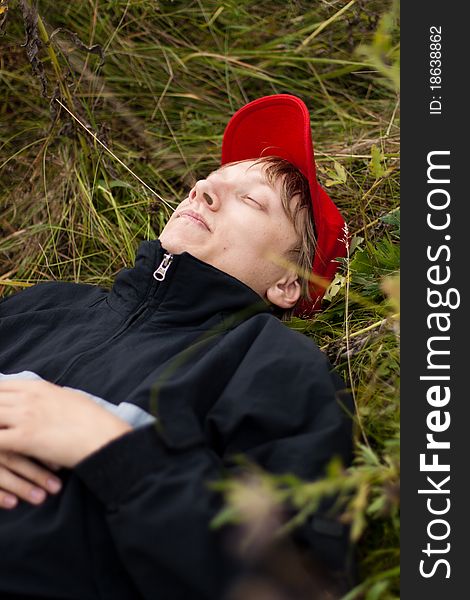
(194, 216)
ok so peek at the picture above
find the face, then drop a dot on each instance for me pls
(234, 220)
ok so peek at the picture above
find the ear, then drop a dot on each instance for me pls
(285, 292)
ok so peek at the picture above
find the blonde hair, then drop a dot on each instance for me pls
(300, 214)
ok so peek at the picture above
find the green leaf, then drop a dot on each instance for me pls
(358, 526)
(393, 218)
(376, 590)
(355, 243)
(341, 172)
(119, 183)
(223, 517)
(334, 467)
(377, 505)
(335, 286)
(338, 176)
(376, 167)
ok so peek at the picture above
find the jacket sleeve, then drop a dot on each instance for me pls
(48, 295)
(158, 504)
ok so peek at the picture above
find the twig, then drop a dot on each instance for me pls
(14, 283)
(375, 221)
(323, 25)
(363, 330)
(397, 104)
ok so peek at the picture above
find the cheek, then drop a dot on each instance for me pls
(267, 242)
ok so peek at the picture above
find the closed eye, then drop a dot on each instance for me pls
(258, 204)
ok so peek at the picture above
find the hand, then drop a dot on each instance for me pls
(50, 423)
(22, 478)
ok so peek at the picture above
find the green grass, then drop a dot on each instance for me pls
(173, 73)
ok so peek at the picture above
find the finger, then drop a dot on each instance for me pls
(10, 397)
(52, 465)
(8, 416)
(30, 470)
(11, 385)
(12, 411)
(12, 484)
(16, 384)
(7, 500)
(9, 440)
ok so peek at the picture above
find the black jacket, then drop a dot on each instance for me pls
(203, 352)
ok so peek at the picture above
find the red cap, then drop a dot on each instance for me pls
(279, 125)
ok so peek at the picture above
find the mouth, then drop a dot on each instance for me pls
(195, 217)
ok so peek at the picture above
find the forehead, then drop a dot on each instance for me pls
(247, 171)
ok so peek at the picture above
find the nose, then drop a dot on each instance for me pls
(203, 192)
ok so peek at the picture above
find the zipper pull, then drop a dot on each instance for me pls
(160, 272)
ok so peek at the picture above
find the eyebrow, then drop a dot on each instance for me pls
(263, 179)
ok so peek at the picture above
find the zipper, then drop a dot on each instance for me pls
(160, 271)
(159, 274)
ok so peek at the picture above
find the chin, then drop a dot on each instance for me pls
(169, 243)
(177, 242)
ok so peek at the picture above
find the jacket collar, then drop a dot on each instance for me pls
(191, 293)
